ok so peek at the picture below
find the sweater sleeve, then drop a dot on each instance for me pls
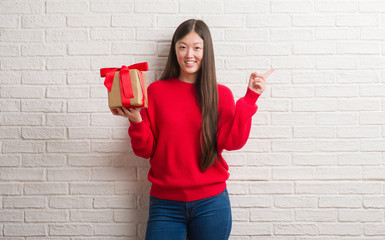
(235, 119)
(142, 137)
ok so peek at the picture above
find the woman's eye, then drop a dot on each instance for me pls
(181, 47)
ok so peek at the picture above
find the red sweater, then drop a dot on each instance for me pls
(170, 135)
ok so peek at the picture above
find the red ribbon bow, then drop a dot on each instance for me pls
(125, 80)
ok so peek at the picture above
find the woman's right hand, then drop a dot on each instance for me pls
(131, 113)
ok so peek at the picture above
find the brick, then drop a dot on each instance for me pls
(374, 202)
(70, 230)
(337, 34)
(66, 35)
(307, 77)
(357, 20)
(22, 92)
(316, 188)
(292, 146)
(268, 20)
(92, 160)
(293, 173)
(373, 33)
(47, 21)
(89, 21)
(314, 47)
(25, 63)
(372, 91)
(363, 76)
(70, 202)
(316, 215)
(68, 63)
(91, 216)
(269, 159)
(271, 49)
(22, 119)
(112, 34)
(86, 133)
(340, 202)
(338, 145)
(270, 132)
(295, 201)
(23, 146)
(238, 214)
(292, 6)
(9, 50)
(10, 160)
(68, 146)
(135, 20)
(377, 229)
(71, 174)
(359, 159)
(90, 105)
(89, 48)
(337, 118)
(24, 202)
(358, 132)
(68, 120)
(114, 174)
(318, 159)
(134, 48)
(310, 132)
(374, 173)
(64, 92)
(254, 228)
(291, 92)
(9, 105)
(42, 105)
(45, 78)
(372, 62)
(336, 6)
(43, 50)
(45, 216)
(115, 229)
(336, 62)
(92, 188)
(372, 118)
(295, 229)
(292, 119)
(270, 215)
(251, 201)
(151, 34)
(313, 21)
(111, 146)
(245, 6)
(298, 62)
(21, 174)
(271, 188)
(11, 216)
(249, 173)
(11, 189)
(347, 215)
(16, 7)
(291, 35)
(21, 35)
(160, 6)
(338, 173)
(358, 48)
(45, 188)
(341, 229)
(26, 230)
(116, 7)
(246, 35)
(372, 145)
(116, 202)
(336, 91)
(361, 188)
(361, 104)
(67, 7)
(43, 133)
(273, 105)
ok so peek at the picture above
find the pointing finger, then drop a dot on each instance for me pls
(268, 72)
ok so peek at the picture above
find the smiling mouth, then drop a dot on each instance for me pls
(189, 63)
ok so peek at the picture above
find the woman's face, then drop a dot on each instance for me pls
(189, 52)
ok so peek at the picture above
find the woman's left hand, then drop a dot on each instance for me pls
(257, 82)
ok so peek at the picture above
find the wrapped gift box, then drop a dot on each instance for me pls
(126, 86)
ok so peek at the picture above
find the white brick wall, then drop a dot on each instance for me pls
(313, 168)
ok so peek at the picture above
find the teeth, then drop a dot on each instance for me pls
(189, 62)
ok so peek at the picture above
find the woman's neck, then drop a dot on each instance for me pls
(189, 78)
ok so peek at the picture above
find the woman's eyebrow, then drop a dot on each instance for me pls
(186, 43)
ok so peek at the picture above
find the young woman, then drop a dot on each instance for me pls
(189, 121)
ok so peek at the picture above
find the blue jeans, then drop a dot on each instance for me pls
(205, 219)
